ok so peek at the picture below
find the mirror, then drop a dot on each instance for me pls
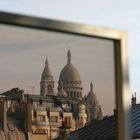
(61, 84)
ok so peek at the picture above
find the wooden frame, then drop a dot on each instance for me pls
(121, 55)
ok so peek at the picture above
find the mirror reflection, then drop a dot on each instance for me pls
(56, 85)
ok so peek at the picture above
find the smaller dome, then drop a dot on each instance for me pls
(61, 91)
(47, 74)
(91, 97)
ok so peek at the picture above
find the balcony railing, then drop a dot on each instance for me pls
(40, 123)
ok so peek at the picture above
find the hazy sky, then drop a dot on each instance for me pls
(23, 53)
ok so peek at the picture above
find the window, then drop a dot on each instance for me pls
(54, 119)
(67, 121)
(78, 94)
(71, 94)
(41, 118)
(68, 93)
(74, 94)
(49, 89)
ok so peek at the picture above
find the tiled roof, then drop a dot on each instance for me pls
(13, 94)
(106, 129)
(101, 130)
(135, 121)
(12, 135)
(13, 131)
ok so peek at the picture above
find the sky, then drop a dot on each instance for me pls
(118, 14)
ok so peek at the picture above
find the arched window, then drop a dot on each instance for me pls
(77, 94)
(71, 94)
(49, 89)
(68, 93)
(80, 94)
(74, 94)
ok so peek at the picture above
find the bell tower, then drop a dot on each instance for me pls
(47, 82)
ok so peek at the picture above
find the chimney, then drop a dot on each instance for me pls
(28, 118)
(115, 112)
(133, 99)
(3, 112)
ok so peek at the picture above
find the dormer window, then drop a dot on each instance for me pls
(54, 119)
(41, 118)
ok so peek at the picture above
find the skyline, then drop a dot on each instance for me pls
(27, 51)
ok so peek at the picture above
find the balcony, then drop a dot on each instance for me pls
(39, 123)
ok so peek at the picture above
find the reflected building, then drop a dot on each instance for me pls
(41, 116)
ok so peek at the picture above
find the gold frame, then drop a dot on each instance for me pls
(121, 55)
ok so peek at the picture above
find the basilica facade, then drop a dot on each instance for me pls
(70, 86)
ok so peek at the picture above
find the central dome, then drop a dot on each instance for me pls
(69, 74)
(70, 77)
